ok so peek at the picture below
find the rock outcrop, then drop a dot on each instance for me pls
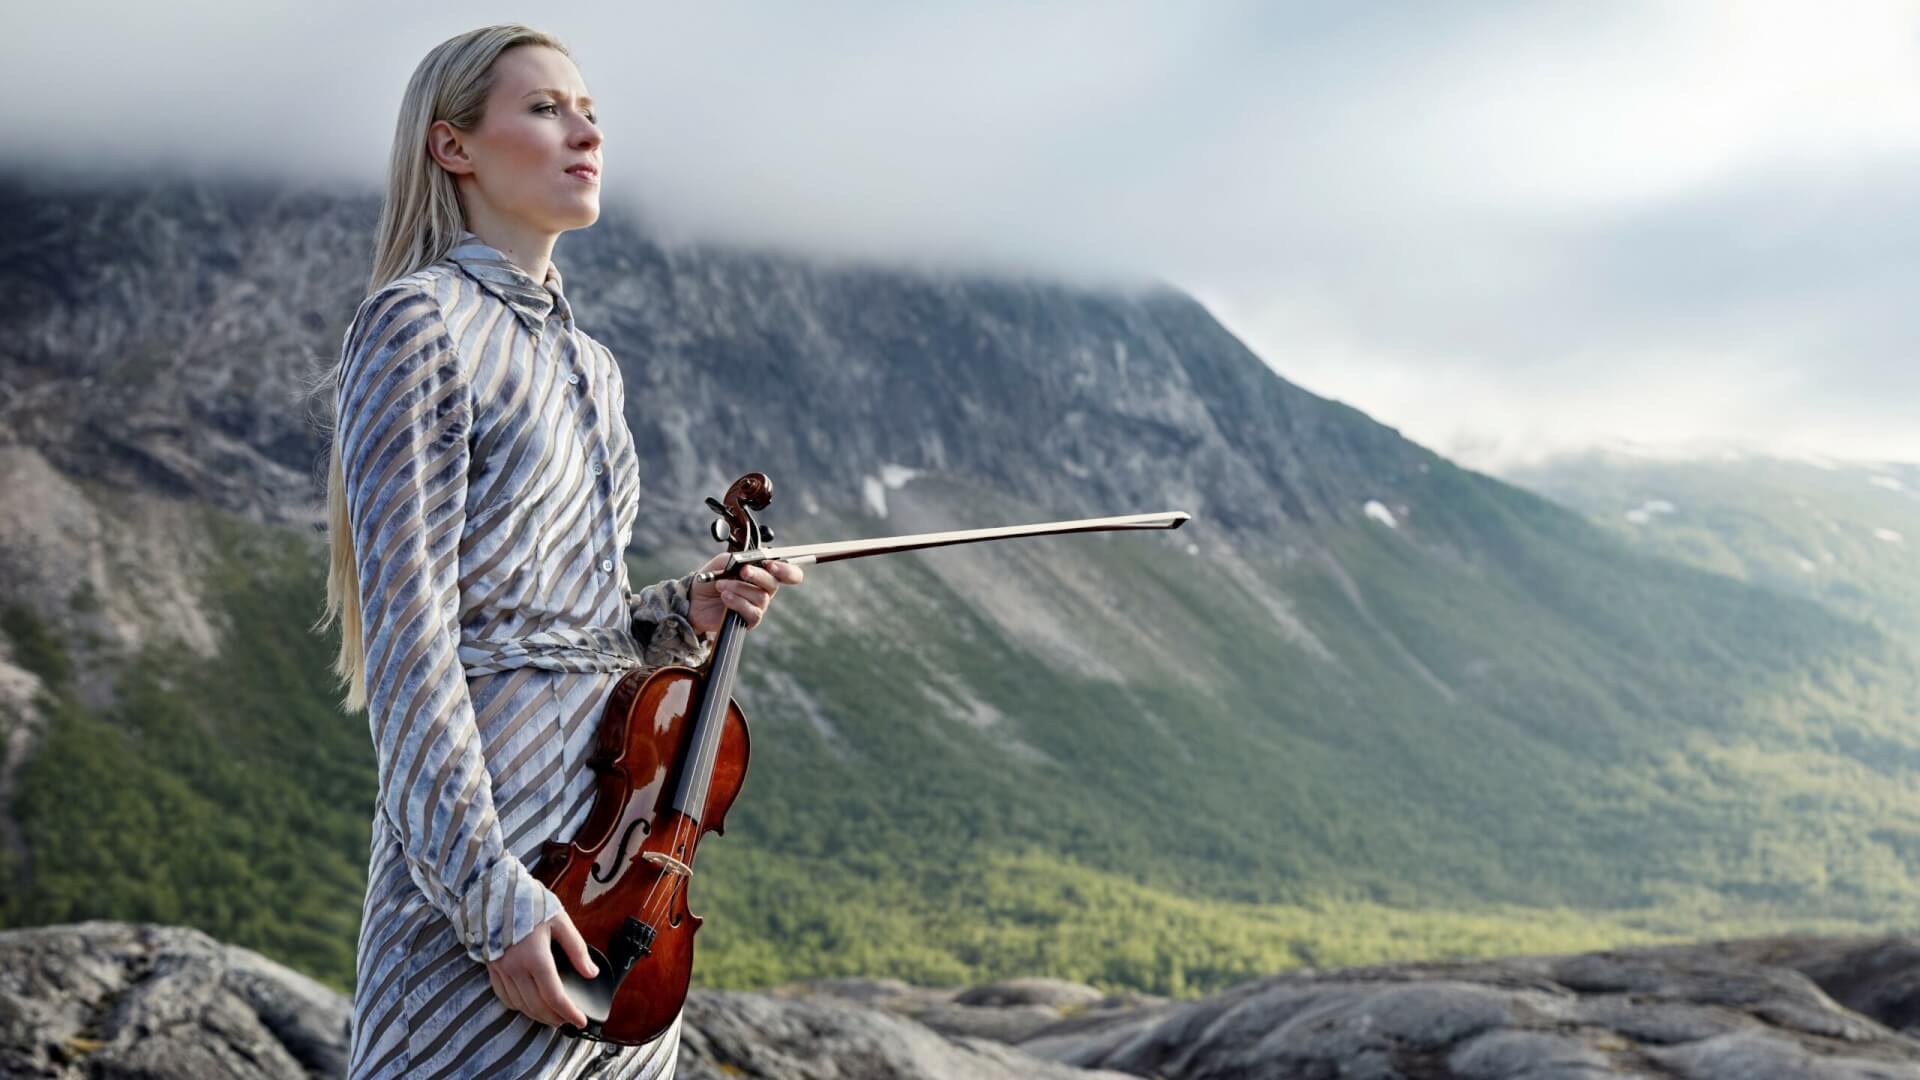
(102, 999)
(731, 1034)
(107, 999)
(1767, 1009)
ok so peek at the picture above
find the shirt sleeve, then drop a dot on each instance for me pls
(404, 412)
(658, 617)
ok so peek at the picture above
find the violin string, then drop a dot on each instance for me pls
(680, 829)
(648, 912)
(706, 752)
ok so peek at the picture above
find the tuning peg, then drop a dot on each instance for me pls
(720, 530)
(766, 534)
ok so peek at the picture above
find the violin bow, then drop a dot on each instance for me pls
(833, 551)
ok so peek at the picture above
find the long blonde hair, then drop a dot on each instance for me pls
(421, 219)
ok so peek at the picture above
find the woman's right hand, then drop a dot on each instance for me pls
(525, 979)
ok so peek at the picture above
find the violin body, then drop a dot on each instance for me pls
(624, 877)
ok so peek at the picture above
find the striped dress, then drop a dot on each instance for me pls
(492, 484)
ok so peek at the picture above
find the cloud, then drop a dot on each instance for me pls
(1502, 229)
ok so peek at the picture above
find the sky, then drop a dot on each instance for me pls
(1506, 229)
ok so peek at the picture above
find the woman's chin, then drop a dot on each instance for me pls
(581, 215)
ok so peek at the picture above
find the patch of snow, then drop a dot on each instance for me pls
(1891, 483)
(1805, 563)
(896, 475)
(1378, 511)
(1643, 513)
(874, 491)
(1889, 536)
(1193, 549)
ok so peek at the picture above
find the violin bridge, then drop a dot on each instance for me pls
(662, 859)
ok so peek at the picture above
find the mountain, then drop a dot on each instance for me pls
(1367, 705)
(1843, 533)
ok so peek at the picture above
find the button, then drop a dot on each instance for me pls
(573, 376)
(596, 468)
(607, 565)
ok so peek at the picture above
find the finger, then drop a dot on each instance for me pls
(509, 991)
(753, 590)
(747, 599)
(750, 612)
(531, 1003)
(554, 996)
(510, 995)
(788, 572)
(570, 940)
(764, 578)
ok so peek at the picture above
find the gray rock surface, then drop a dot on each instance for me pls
(107, 999)
(1753, 1010)
(1007, 1011)
(733, 1034)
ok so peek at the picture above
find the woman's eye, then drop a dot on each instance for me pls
(591, 117)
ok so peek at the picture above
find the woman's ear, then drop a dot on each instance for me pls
(448, 149)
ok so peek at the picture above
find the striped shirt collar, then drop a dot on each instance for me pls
(530, 300)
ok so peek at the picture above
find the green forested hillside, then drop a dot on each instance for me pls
(1487, 729)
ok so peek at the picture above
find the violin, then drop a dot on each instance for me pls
(670, 758)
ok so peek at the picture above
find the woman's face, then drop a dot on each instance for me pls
(539, 123)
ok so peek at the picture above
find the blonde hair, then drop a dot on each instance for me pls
(421, 219)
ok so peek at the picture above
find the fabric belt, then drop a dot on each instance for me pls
(570, 648)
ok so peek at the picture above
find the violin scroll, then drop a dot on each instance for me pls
(736, 526)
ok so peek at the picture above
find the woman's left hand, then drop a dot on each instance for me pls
(749, 594)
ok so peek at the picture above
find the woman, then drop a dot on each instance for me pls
(482, 491)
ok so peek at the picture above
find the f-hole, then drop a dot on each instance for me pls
(620, 854)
